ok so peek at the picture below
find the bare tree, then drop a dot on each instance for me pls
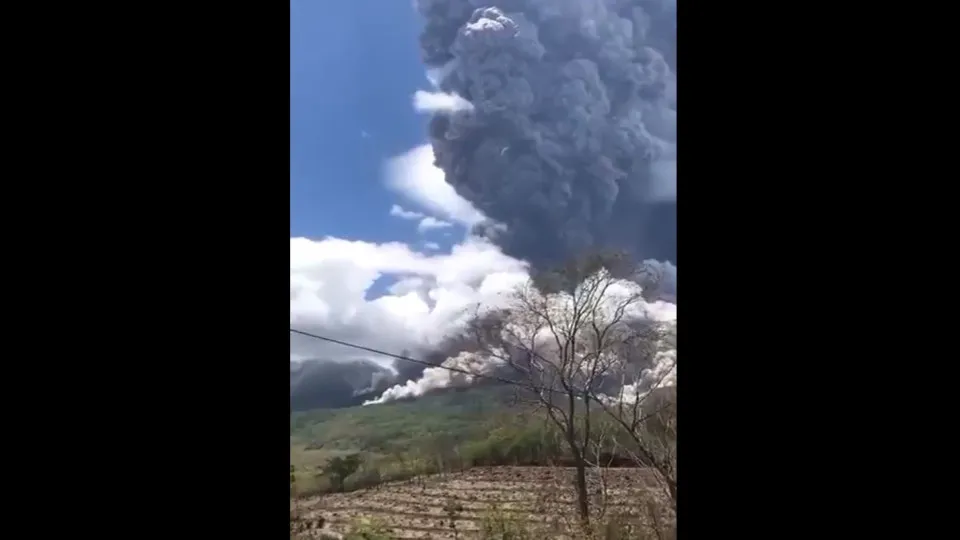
(643, 407)
(562, 336)
(600, 458)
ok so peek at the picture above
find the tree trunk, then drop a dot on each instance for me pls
(582, 497)
(672, 488)
(583, 503)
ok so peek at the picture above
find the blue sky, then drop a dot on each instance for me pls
(378, 250)
(361, 268)
(354, 72)
(354, 66)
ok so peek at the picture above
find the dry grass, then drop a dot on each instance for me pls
(500, 502)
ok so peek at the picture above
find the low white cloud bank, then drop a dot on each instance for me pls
(414, 176)
(330, 279)
(431, 298)
(440, 102)
(620, 296)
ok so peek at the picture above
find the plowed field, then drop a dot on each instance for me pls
(459, 505)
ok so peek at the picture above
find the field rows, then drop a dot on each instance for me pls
(456, 505)
(435, 505)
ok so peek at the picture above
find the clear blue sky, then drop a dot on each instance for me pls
(354, 66)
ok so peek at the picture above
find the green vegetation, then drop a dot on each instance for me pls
(340, 468)
(367, 529)
(444, 432)
(496, 525)
(363, 447)
(564, 421)
(397, 425)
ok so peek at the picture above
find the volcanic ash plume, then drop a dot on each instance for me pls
(569, 138)
(328, 384)
(641, 361)
(658, 280)
(456, 372)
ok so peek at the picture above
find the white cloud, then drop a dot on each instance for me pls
(431, 223)
(440, 102)
(616, 293)
(414, 176)
(329, 280)
(430, 298)
(427, 223)
(432, 246)
(398, 211)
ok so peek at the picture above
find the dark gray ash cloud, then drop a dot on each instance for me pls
(571, 141)
(327, 384)
(316, 384)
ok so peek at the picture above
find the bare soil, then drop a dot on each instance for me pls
(455, 505)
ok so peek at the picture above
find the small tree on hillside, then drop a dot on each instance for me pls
(339, 468)
(561, 335)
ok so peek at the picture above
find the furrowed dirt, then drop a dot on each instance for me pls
(456, 505)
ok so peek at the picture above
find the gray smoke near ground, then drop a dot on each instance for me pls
(453, 374)
(316, 384)
(658, 280)
(638, 376)
(570, 140)
(457, 351)
(516, 341)
(327, 384)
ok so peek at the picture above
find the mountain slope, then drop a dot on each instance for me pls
(457, 413)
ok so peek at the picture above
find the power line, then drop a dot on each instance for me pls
(454, 369)
(408, 359)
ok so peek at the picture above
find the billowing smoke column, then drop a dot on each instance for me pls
(570, 139)
(320, 383)
(556, 119)
(498, 347)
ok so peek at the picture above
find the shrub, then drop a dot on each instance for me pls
(367, 529)
(341, 467)
(496, 526)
